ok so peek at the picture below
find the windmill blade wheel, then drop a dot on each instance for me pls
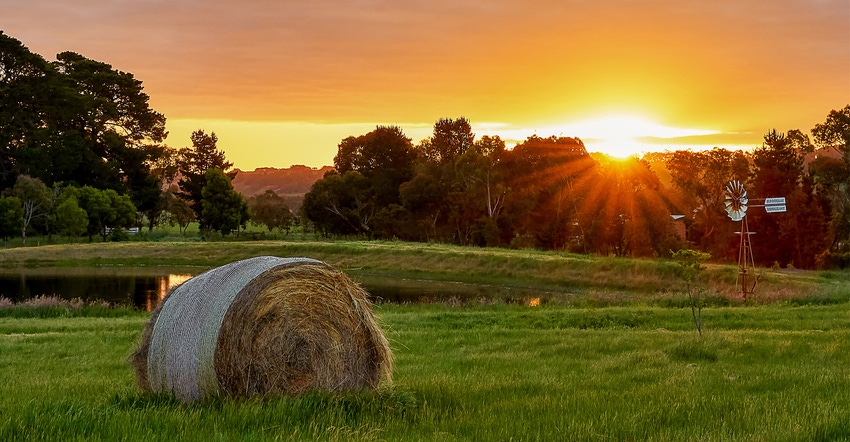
(735, 200)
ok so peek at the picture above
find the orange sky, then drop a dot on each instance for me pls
(282, 82)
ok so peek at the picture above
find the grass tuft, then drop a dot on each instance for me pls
(694, 350)
(56, 307)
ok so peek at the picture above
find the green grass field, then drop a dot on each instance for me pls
(491, 372)
(611, 354)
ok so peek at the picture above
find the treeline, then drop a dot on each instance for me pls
(549, 193)
(204, 194)
(82, 153)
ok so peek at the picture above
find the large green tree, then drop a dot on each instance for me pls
(194, 162)
(835, 131)
(384, 148)
(549, 177)
(29, 93)
(340, 204)
(454, 169)
(106, 209)
(77, 121)
(70, 218)
(384, 156)
(370, 168)
(223, 208)
(480, 190)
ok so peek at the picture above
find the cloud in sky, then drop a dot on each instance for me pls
(723, 66)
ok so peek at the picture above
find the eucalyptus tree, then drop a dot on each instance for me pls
(451, 139)
(545, 175)
(340, 204)
(384, 156)
(835, 132)
(370, 169)
(35, 198)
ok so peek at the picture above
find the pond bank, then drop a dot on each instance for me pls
(606, 278)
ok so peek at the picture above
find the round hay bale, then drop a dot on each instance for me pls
(261, 326)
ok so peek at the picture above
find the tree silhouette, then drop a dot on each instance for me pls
(700, 178)
(832, 177)
(450, 140)
(791, 237)
(193, 164)
(223, 208)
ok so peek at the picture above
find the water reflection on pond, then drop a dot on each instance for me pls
(142, 287)
(145, 287)
(401, 291)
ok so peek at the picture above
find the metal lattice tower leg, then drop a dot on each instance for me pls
(746, 262)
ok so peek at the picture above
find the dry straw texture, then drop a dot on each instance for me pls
(263, 326)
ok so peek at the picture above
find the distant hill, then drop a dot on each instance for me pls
(291, 183)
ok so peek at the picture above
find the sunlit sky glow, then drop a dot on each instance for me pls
(282, 82)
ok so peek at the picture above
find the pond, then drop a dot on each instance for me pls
(145, 287)
(142, 287)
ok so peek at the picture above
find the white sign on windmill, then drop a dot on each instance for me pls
(774, 205)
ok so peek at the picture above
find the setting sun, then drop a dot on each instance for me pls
(623, 136)
(617, 135)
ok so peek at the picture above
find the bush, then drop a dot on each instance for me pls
(829, 260)
(118, 235)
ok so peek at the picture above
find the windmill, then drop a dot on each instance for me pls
(737, 203)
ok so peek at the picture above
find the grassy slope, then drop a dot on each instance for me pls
(602, 276)
(474, 373)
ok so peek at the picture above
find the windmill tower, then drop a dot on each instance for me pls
(736, 203)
